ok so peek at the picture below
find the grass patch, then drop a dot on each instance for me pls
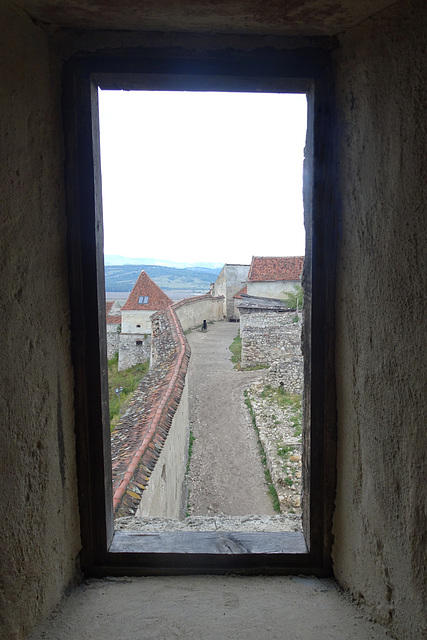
(236, 350)
(129, 379)
(190, 450)
(187, 470)
(284, 451)
(271, 489)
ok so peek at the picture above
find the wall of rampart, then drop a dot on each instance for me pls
(192, 311)
(149, 444)
(269, 335)
(164, 495)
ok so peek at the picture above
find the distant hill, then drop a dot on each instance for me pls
(123, 260)
(188, 280)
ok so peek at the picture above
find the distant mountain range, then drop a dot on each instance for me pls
(122, 260)
(183, 281)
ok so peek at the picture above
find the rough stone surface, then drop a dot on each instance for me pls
(209, 607)
(280, 434)
(288, 522)
(289, 373)
(38, 504)
(134, 348)
(380, 550)
(269, 335)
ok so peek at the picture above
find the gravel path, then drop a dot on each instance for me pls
(226, 474)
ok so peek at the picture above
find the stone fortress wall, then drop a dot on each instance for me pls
(133, 349)
(270, 336)
(156, 426)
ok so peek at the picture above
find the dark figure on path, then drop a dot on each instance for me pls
(204, 326)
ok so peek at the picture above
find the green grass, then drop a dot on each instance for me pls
(190, 450)
(284, 451)
(129, 379)
(236, 350)
(271, 490)
(190, 453)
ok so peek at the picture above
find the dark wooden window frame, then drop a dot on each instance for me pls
(105, 552)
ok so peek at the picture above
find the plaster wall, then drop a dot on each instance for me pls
(192, 313)
(230, 281)
(131, 320)
(271, 289)
(164, 496)
(38, 502)
(380, 518)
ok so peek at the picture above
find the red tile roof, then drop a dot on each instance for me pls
(271, 269)
(114, 319)
(108, 305)
(144, 286)
(239, 294)
(138, 439)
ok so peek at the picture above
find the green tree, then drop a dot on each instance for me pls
(295, 299)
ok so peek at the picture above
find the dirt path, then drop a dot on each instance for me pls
(226, 474)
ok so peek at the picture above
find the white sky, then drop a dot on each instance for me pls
(202, 176)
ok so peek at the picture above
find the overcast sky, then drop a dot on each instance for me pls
(202, 176)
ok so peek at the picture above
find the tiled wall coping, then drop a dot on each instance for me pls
(139, 437)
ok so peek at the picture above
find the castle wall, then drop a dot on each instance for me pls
(192, 311)
(157, 420)
(134, 348)
(164, 496)
(269, 335)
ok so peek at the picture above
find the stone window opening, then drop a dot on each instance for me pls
(104, 551)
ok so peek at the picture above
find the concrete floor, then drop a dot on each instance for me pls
(208, 608)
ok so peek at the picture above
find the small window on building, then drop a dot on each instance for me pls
(139, 343)
(143, 300)
(138, 326)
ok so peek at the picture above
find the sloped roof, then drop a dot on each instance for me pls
(146, 287)
(272, 269)
(242, 291)
(111, 317)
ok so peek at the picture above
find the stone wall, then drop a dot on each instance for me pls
(269, 335)
(164, 496)
(192, 311)
(288, 373)
(155, 429)
(134, 348)
(113, 340)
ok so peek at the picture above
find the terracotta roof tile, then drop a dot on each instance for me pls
(275, 268)
(146, 287)
(108, 305)
(241, 292)
(139, 436)
(114, 319)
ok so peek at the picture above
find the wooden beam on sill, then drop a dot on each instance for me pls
(208, 543)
